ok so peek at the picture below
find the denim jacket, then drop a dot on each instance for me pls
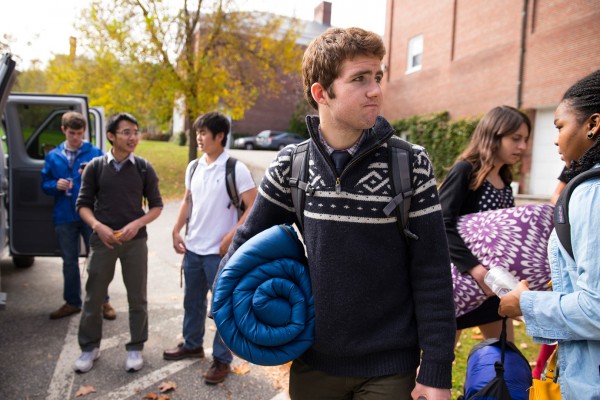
(570, 313)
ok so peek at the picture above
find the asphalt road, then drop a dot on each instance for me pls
(36, 353)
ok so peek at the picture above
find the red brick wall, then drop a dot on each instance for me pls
(471, 53)
(272, 111)
(563, 45)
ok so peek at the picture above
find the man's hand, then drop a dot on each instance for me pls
(510, 303)
(227, 239)
(178, 243)
(422, 392)
(63, 184)
(129, 231)
(478, 273)
(107, 235)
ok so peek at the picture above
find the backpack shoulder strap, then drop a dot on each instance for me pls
(98, 164)
(299, 185)
(561, 209)
(189, 196)
(142, 167)
(192, 170)
(400, 167)
(232, 191)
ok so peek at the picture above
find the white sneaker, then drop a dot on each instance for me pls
(85, 362)
(135, 362)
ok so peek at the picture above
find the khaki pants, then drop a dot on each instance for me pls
(101, 270)
(307, 383)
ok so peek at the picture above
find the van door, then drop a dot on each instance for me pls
(33, 129)
(96, 117)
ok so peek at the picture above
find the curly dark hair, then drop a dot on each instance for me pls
(583, 98)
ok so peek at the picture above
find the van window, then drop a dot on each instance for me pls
(40, 125)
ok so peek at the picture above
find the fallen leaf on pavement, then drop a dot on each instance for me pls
(242, 368)
(83, 390)
(167, 386)
(151, 396)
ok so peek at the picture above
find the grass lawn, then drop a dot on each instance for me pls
(170, 161)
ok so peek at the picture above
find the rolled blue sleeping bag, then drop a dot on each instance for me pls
(262, 301)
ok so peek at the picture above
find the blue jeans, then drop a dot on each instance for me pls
(68, 241)
(199, 272)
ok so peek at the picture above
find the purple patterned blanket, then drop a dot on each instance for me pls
(513, 238)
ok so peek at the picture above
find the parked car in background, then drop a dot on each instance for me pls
(278, 142)
(252, 142)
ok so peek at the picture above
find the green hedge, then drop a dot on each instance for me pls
(443, 138)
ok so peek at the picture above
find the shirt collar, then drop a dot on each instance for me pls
(352, 149)
(111, 157)
(221, 160)
(67, 148)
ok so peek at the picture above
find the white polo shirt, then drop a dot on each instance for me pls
(211, 218)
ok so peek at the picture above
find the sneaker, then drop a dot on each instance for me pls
(64, 311)
(85, 362)
(108, 312)
(217, 373)
(135, 362)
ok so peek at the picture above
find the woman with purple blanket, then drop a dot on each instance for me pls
(480, 181)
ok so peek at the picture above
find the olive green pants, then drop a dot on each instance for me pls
(101, 270)
(307, 383)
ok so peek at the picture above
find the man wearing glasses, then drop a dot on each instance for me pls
(110, 201)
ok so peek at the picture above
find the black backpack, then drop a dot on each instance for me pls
(400, 167)
(561, 209)
(234, 196)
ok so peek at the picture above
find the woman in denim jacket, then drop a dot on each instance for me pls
(570, 314)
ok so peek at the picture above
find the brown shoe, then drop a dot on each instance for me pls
(64, 311)
(216, 373)
(180, 352)
(108, 312)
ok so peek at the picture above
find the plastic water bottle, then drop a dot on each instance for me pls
(500, 281)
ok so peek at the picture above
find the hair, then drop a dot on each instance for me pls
(583, 98)
(73, 120)
(113, 122)
(215, 122)
(324, 56)
(486, 140)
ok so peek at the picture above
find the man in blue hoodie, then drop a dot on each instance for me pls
(61, 178)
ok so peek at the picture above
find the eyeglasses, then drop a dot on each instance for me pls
(129, 132)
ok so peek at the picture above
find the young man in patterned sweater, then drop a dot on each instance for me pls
(383, 306)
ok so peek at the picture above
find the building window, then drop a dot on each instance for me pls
(415, 54)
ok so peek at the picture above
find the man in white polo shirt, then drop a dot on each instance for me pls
(212, 222)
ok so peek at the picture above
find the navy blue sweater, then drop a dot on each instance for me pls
(378, 304)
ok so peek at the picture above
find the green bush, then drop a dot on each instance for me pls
(443, 138)
(181, 139)
(159, 137)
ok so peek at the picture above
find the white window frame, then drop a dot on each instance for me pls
(415, 54)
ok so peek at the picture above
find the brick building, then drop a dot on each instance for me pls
(274, 110)
(468, 56)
